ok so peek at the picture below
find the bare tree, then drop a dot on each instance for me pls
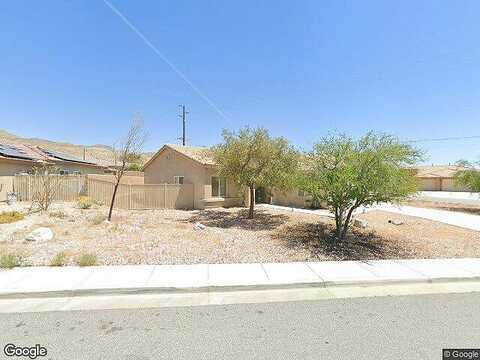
(46, 184)
(129, 150)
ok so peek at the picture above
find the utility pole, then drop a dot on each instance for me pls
(183, 116)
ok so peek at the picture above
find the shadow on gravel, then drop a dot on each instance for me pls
(318, 239)
(227, 219)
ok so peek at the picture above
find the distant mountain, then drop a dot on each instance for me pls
(99, 154)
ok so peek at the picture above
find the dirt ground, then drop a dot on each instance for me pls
(173, 237)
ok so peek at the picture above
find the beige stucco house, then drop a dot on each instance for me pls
(21, 158)
(438, 178)
(177, 164)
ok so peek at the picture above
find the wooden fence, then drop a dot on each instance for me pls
(68, 187)
(129, 196)
(6, 186)
(140, 197)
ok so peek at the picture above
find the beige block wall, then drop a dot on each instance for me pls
(126, 179)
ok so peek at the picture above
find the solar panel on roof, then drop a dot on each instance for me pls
(62, 156)
(11, 151)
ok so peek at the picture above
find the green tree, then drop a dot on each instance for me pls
(135, 167)
(469, 176)
(252, 158)
(345, 174)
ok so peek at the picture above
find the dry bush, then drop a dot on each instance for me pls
(57, 214)
(46, 184)
(59, 260)
(10, 217)
(87, 259)
(84, 202)
(9, 261)
(98, 219)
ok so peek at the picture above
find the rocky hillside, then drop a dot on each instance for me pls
(100, 154)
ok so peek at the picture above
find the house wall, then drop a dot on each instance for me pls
(289, 198)
(429, 184)
(11, 167)
(448, 184)
(83, 168)
(170, 163)
(439, 184)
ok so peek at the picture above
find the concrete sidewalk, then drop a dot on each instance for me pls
(70, 281)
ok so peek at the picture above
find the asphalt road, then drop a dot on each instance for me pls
(400, 327)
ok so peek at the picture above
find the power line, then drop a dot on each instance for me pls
(444, 139)
(165, 59)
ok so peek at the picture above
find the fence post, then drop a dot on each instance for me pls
(129, 197)
(165, 196)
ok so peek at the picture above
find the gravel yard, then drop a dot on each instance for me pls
(175, 237)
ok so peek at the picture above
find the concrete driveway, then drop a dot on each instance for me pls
(464, 220)
(450, 197)
(460, 219)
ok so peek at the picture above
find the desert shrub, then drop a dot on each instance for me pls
(86, 259)
(59, 260)
(9, 261)
(47, 183)
(7, 217)
(84, 202)
(98, 219)
(57, 214)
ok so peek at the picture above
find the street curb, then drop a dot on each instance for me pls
(228, 288)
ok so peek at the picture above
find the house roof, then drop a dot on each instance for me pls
(437, 171)
(199, 154)
(26, 152)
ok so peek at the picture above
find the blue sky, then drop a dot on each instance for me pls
(73, 71)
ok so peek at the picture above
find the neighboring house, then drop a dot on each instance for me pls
(176, 164)
(430, 178)
(438, 178)
(18, 158)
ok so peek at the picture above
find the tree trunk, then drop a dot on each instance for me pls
(113, 200)
(252, 201)
(347, 222)
(338, 223)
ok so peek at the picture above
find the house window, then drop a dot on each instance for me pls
(64, 172)
(178, 179)
(219, 186)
